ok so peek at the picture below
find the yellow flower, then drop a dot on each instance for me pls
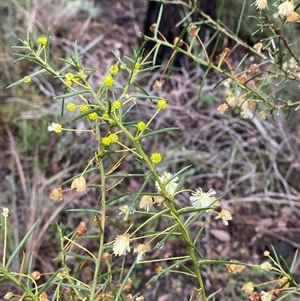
(71, 107)
(113, 138)
(121, 245)
(156, 158)
(114, 69)
(54, 127)
(141, 126)
(137, 66)
(106, 141)
(27, 79)
(141, 249)
(117, 104)
(225, 215)
(42, 40)
(285, 8)
(146, 201)
(79, 184)
(105, 116)
(69, 76)
(108, 81)
(93, 116)
(162, 104)
(84, 108)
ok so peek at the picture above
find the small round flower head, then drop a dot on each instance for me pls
(253, 68)
(201, 199)
(56, 194)
(158, 199)
(93, 116)
(106, 141)
(127, 287)
(266, 266)
(261, 4)
(27, 79)
(117, 104)
(69, 76)
(124, 210)
(234, 268)
(79, 184)
(178, 42)
(258, 47)
(8, 295)
(140, 298)
(81, 229)
(193, 31)
(105, 116)
(156, 158)
(106, 256)
(248, 288)
(71, 107)
(113, 138)
(158, 269)
(42, 40)
(54, 127)
(157, 86)
(283, 282)
(162, 104)
(5, 211)
(108, 80)
(285, 8)
(36, 275)
(141, 249)
(225, 216)
(170, 185)
(153, 27)
(84, 108)
(121, 245)
(114, 69)
(44, 297)
(146, 202)
(141, 126)
(137, 66)
(223, 108)
(266, 296)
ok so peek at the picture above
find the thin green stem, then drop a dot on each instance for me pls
(5, 242)
(102, 229)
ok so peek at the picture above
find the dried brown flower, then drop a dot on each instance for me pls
(157, 86)
(81, 230)
(56, 194)
(193, 31)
